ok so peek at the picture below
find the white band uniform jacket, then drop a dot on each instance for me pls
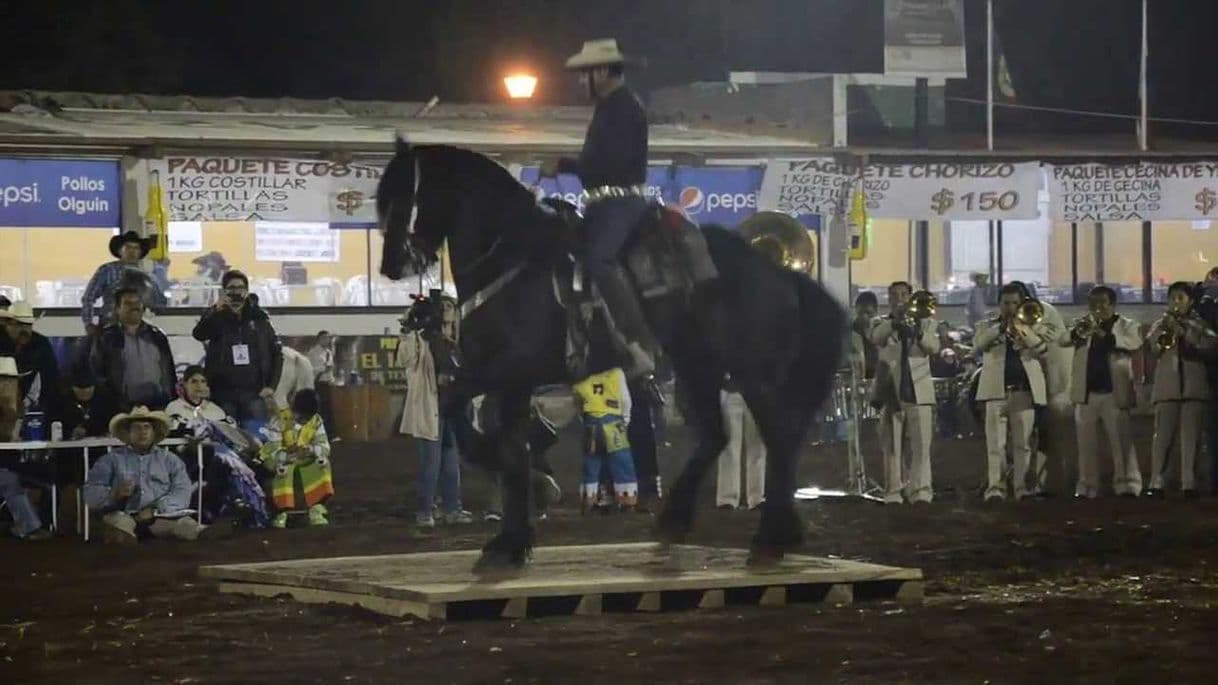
(1128, 336)
(1195, 386)
(991, 339)
(885, 336)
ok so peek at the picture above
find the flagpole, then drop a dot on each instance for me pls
(1143, 94)
(989, 74)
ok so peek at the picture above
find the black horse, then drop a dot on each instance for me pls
(778, 333)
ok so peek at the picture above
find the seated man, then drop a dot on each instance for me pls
(26, 524)
(141, 486)
(87, 409)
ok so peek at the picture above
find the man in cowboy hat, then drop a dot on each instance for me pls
(26, 524)
(613, 170)
(36, 362)
(128, 249)
(142, 486)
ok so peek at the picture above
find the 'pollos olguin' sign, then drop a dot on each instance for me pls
(59, 192)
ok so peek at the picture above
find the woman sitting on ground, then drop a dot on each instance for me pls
(232, 486)
(297, 452)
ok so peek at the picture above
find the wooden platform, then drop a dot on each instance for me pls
(576, 580)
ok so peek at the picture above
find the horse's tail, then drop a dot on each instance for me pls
(823, 322)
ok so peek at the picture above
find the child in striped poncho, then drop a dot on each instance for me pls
(297, 452)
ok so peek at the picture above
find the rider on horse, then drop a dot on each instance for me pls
(613, 170)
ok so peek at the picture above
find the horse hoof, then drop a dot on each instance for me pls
(504, 552)
(671, 529)
(765, 556)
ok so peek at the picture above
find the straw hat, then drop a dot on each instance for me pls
(8, 368)
(120, 426)
(602, 52)
(21, 311)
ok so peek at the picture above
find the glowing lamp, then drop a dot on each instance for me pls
(520, 86)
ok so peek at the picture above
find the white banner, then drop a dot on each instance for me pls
(185, 236)
(940, 190)
(924, 38)
(278, 241)
(1147, 191)
(267, 189)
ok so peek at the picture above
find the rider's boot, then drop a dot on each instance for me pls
(629, 322)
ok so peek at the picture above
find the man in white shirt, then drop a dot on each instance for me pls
(1012, 385)
(904, 386)
(321, 356)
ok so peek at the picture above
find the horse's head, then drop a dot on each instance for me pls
(403, 215)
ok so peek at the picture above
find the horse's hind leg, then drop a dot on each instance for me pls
(514, 543)
(702, 384)
(782, 420)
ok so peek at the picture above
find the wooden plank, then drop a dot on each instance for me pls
(840, 593)
(712, 599)
(516, 607)
(911, 592)
(556, 571)
(589, 605)
(649, 601)
(774, 596)
(380, 605)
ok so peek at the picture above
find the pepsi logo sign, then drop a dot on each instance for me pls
(693, 201)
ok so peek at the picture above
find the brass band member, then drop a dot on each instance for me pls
(1012, 385)
(1102, 391)
(1181, 388)
(907, 338)
(1053, 438)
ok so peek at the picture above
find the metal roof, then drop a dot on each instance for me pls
(42, 119)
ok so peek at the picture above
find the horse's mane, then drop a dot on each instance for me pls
(522, 221)
(475, 169)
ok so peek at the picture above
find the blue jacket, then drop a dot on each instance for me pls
(159, 476)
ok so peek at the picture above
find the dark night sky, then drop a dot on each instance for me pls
(1063, 53)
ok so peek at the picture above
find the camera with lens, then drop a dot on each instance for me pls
(426, 315)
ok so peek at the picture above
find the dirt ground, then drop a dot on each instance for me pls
(1044, 591)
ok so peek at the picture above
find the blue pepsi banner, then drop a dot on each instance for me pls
(55, 192)
(721, 195)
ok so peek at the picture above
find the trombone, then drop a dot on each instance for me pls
(922, 305)
(1029, 313)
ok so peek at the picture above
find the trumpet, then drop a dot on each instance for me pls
(1085, 326)
(1172, 327)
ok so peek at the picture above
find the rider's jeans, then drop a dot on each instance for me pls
(607, 226)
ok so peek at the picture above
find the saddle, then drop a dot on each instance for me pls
(666, 257)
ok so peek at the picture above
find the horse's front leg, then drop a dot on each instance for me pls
(514, 543)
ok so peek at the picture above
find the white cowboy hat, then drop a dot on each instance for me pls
(21, 311)
(120, 425)
(8, 368)
(602, 52)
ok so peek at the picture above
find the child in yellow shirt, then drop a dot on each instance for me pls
(606, 408)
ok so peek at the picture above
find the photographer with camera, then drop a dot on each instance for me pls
(244, 360)
(428, 352)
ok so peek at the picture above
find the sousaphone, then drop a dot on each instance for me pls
(782, 240)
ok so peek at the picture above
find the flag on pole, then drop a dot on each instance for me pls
(859, 223)
(156, 223)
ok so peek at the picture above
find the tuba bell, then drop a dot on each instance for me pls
(922, 305)
(781, 239)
